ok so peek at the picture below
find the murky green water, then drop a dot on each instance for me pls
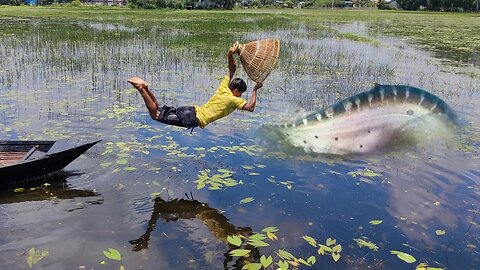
(67, 78)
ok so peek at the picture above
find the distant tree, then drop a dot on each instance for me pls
(225, 4)
(382, 4)
(147, 4)
(329, 3)
(412, 4)
(11, 2)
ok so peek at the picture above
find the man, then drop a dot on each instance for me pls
(226, 99)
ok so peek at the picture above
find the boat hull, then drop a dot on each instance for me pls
(60, 154)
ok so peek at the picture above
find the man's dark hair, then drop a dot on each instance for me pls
(239, 84)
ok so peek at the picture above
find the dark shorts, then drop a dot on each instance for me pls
(183, 116)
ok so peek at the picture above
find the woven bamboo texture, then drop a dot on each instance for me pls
(258, 58)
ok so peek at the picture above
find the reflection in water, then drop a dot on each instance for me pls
(218, 224)
(56, 189)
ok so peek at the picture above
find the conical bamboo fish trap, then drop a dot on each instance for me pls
(258, 57)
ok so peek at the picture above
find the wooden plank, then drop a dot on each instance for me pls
(10, 158)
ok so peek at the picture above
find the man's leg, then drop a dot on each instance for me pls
(147, 95)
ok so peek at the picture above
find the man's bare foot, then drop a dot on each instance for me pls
(138, 83)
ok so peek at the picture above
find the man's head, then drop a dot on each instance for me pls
(237, 86)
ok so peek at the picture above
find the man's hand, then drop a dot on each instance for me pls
(258, 86)
(232, 50)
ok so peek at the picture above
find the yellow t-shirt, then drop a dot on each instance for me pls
(221, 104)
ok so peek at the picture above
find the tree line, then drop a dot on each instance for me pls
(440, 5)
(432, 5)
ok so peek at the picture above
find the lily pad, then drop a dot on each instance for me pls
(403, 256)
(34, 256)
(234, 240)
(239, 252)
(112, 254)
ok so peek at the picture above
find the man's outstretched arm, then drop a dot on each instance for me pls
(250, 106)
(231, 62)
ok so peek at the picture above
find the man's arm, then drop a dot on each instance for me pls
(250, 106)
(231, 62)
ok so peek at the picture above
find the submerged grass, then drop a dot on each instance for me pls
(70, 65)
(455, 36)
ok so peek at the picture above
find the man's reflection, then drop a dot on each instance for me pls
(217, 223)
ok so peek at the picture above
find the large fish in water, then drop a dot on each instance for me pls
(368, 121)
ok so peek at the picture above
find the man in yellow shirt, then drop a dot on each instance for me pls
(226, 99)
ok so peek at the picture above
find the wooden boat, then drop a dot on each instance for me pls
(22, 160)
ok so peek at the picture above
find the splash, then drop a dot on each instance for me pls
(370, 121)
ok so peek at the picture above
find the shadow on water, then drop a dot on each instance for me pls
(189, 209)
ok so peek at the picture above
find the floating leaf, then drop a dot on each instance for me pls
(155, 194)
(234, 240)
(105, 164)
(129, 169)
(258, 243)
(331, 242)
(365, 243)
(270, 229)
(271, 236)
(34, 256)
(246, 167)
(300, 260)
(375, 222)
(239, 252)
(21, 189)
(335, 256)
(200, 184)
(311, 260)
(310, 240)
(370, 173)
(247, 200)
(252, 266)
(257, 236)
(216, 181)
(285, 255)
(224, 171)
(325, 248)
(424, 266)
(122, 161)
(440, 232)
(266, 261)
(337, 249)
(112, 254)
(283, 265)
(403, 256)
